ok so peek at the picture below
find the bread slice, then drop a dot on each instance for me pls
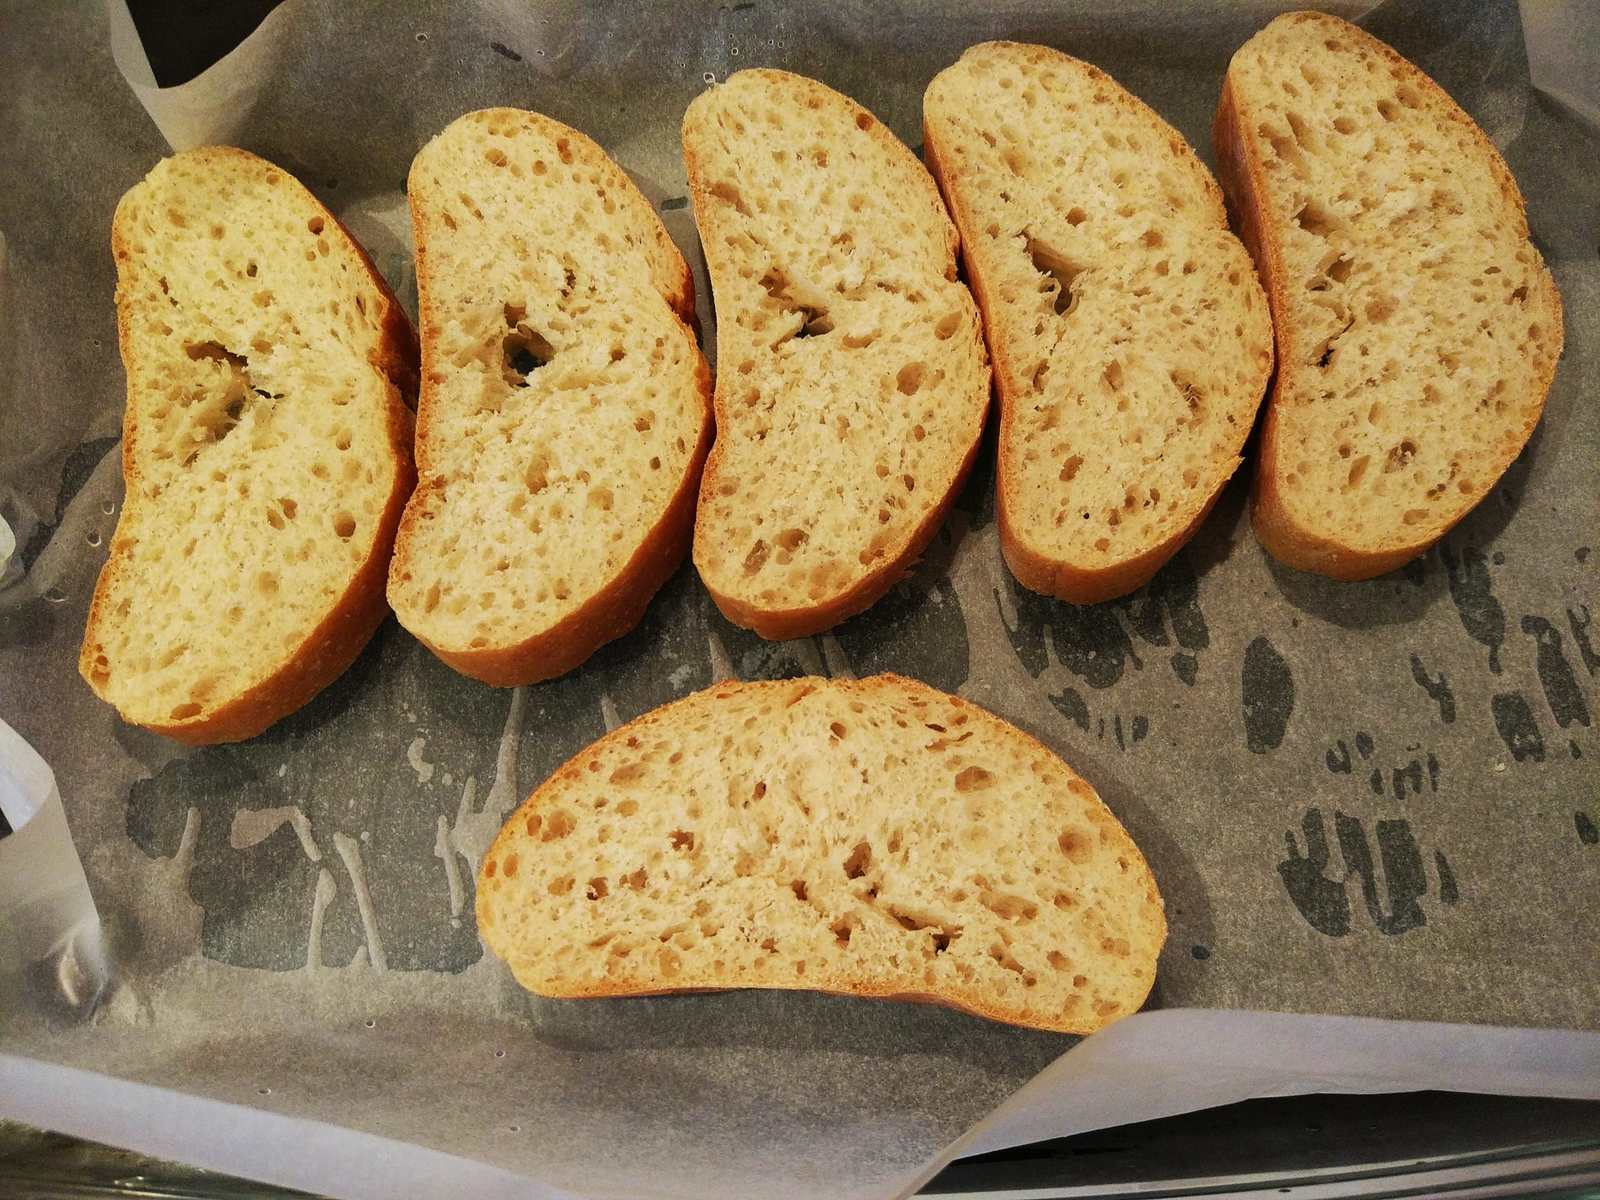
(1131, 339)
(565, 407)
(1418, 329)
(851, 380)
(266, 450)
(875, 838)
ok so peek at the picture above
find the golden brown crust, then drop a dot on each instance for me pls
(336, 641)
(974, 1001)
(620, 605)
(803, 621)
(1034, 569)
(1243, 179)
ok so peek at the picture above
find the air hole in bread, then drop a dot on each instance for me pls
(1315, 219)
(1400, 455)
(1303, 135)
(522, 352)
(756, 558)
(973, 779)
(558, 825)
(1283, 145)
(1076, 844)
(859, 861)
(729, 193)
(344, 524)
(814, 320)
(681, 839)
(1057, 273)
(909, 378)
(1009, 907)
(1388, 109)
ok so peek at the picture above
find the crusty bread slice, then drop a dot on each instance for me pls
(851, 378)
(266, 450)
(1418, 329)
(1131, 339)
(565, 405)
(875, 838)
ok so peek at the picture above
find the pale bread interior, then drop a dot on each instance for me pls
(851, 381)
(1131, 337)
(258, 450)
(874, 837)
(1419, 327)
(562, 397)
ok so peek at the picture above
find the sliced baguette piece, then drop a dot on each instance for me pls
(872, 837)
(1418, 329)
(266, 450)
(1130, 336)
(565, 408)
(852, 382)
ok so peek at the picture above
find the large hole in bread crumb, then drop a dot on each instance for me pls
(1007, 907)
(814, 320)
(858, 861)
(1315, 219)
(756, 557)
(1302, 131)
(1076, 844)
(557, 825)
(1400, 455)
(1057, 273)
(729, 193)
(522, 352)
(973, 779)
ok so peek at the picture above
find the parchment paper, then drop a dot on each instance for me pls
(1372, 807)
